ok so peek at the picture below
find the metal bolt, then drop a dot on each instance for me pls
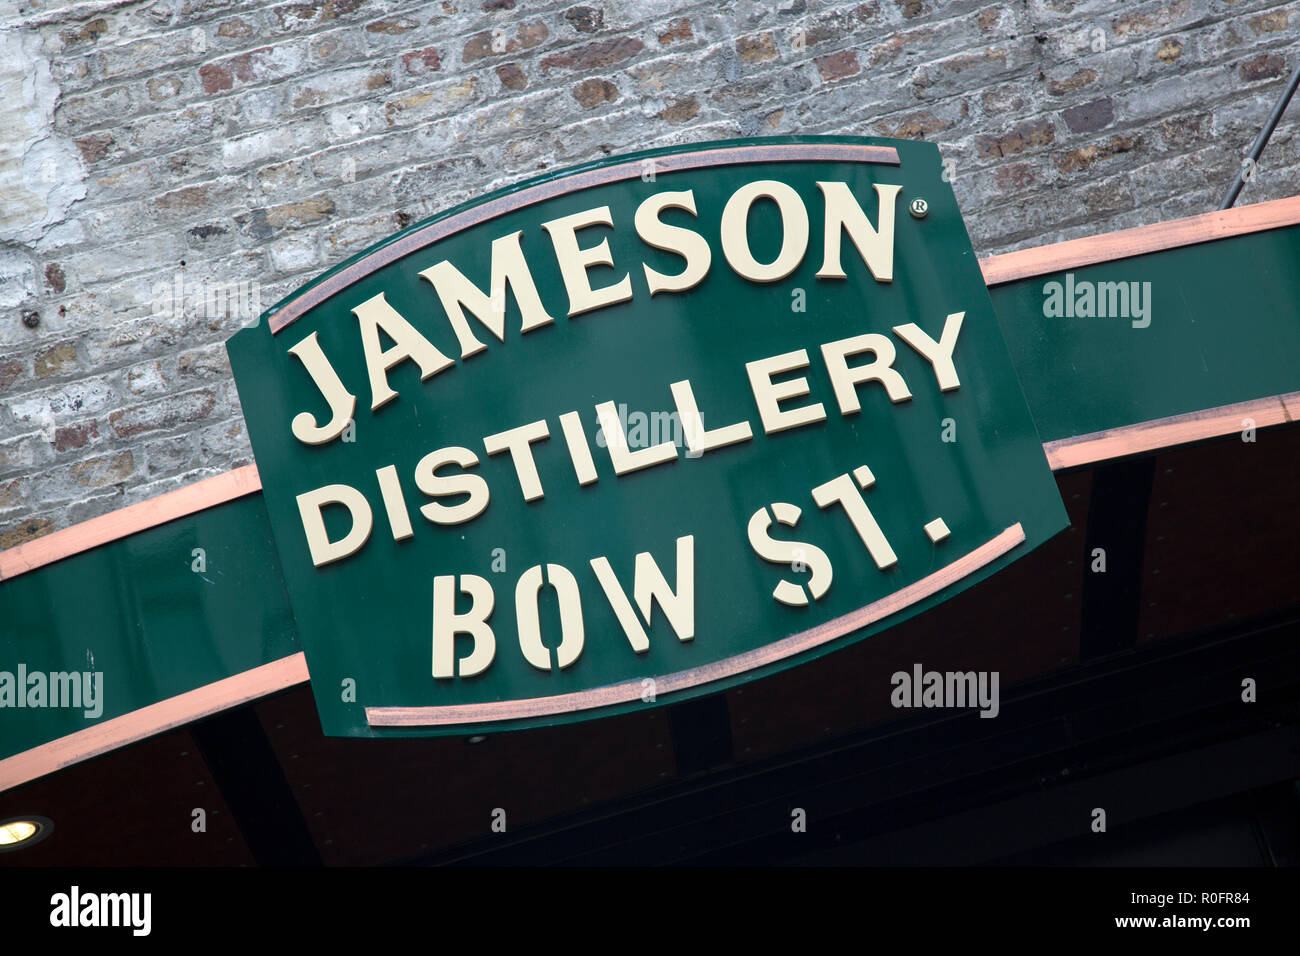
(31, 318)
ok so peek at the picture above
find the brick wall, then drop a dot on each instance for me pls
(229, 151)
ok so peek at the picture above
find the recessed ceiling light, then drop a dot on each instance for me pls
(18, 833)
(476, 739)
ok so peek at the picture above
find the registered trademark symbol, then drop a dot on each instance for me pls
(919, 208)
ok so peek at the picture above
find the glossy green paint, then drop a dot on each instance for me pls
(367, 618)
(137, 611)
(1224, 328)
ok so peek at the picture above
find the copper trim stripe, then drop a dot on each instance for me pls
(630, 691)
(199, 496)
(1175, 430)
(154, 719)
(435, 231)
(1110, 246)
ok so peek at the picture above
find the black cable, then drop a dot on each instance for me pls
(1262, 139)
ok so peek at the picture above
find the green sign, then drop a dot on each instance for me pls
(638, 431)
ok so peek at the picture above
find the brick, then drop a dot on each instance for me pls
(1084, 158)
(511, 76)
(913, 126)
(592, 93)
(136, 338)
(837, 66)
(141, 56)
(1075, 81)
(680, 111)
(1025, 136)
(235, 28)
(107, 470)
(163, 87)
(178, 126)
(1109, 196)
(293, 255)
(496, 43)
(210, 362)
(55, 278)
(61, 402)
(27, 530)
(1015, 177)
(167, 456)
(56, 360)
(892, 49)
(105, 105)
(834, 25)
(184, 200)
(1266, 66)
(756, 49)
(336, 49)
(1170, 50)
(585, 19)
(146, 379)
(1182, 132)
(436, 100)
(72, 437)
(88, 33)
(1274, 21)
(302, 213)
(156, 416)
(95, 146)
(394, 27)
(276, 143)
(338, 85)
(9, 372)
(960, 71)
(1007, 98)
(1148, 21)
(134, 493)
(594, 56)
(422, 62)
(660, 76)
(23, 453)
(348, 237)
(677, 31)
(216, 77)
(225, 442)
(1090, 117)
(294, 175)
(263, 65)
(290, 16)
